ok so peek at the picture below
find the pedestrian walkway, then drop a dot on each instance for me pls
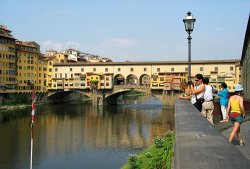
(226, 128)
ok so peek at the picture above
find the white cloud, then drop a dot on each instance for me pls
(118, 43)
(58, 46)
(115, 48)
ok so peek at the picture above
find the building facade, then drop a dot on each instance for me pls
(7, 61)
(30, 67)
(245, 62)
(155, 74)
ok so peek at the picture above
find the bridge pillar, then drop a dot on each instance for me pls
(169, 97)
(1, 98)
(94, 97)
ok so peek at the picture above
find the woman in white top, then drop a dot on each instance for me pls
(208, 105)
(197, 91)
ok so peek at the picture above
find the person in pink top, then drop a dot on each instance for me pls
(237, 113)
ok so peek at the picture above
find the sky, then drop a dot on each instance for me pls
(131, 30)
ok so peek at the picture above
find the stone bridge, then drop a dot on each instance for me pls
(107, 97)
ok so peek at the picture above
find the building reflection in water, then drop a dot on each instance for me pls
(70, 128)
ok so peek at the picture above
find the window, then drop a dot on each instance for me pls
(172, 69)
(107, 78)
(66, 75)
(118, 69)
(201, 68)
(94, 69)
(131, 69)
(106, 69)
(70, 69)
(186, 69)
(231, 68)
(158, 69)
(216, 69)
(56, 69)
(145, 69)
(107, 84)
(161, 78)
(82, 69)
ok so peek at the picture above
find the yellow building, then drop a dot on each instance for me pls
(93, 80)
(53, 57)
(7, 61)
(155, 74)
(99, 80)
(42, 74)
(157, 81)
(61, 58)
(28, 63)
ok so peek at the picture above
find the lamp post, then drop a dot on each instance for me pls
(189, 26)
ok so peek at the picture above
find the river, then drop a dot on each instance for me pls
(78, 135)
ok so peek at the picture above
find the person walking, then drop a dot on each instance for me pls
(197, 91)
(237, 113)
(208, 105)
(223, 94)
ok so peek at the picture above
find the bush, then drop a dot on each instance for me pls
(148, 155)
(158, 142)
(132, 161)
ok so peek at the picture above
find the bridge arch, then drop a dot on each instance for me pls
(112, 98)
(119, 79)
(132, 80)
(144, 80)
(56, 96)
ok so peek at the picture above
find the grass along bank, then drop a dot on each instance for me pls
(156, 156)
(135, 93)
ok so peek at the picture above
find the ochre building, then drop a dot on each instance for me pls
(153, 74)
(7, 61)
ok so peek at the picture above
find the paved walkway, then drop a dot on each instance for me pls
(226, 128)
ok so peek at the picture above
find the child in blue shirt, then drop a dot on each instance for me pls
(223, 100)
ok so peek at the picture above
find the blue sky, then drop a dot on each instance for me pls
(134, 30)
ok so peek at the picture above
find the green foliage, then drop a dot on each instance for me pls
(148, 155)
(158, 142)
(134, 93)
(154, 157)
(94, 82)
(132, 159)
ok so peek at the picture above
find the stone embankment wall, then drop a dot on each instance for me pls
(198, 144)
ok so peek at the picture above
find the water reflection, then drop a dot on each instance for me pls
(82, 133)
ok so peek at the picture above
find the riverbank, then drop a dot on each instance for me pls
(158, 155)
(13, 107)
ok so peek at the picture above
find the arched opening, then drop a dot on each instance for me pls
(145, 80)
(132, 80)
(119, 79)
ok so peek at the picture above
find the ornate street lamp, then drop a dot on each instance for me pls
(189, 26)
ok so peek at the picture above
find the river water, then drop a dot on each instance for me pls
(78, 135)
